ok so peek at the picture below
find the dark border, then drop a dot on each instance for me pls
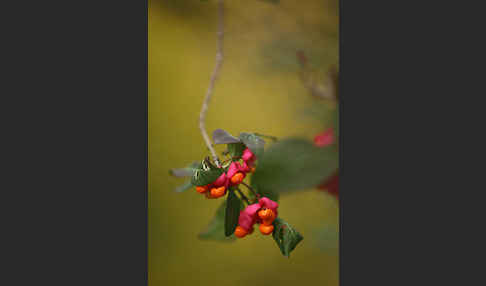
(389, 113)
(76, 142)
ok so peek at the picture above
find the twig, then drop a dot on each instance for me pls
(214, 76)
(243, 196)
(226, 161)
(252, 190)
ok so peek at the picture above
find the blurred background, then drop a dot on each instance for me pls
(261, 90)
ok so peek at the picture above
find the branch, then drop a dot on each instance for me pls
(257, 195)
(214, 76)
(243, 196)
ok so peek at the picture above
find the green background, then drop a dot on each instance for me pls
(259, 90)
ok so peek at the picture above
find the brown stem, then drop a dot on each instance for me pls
(251, 189)
(243, 196)
(212, 81)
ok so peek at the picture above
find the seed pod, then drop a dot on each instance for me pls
(266, 214)
(202, 189)
(218, 192)
(237, 178)
(240, 232)
(266, 229)
(268, 221)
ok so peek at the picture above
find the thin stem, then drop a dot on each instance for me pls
(243, 196)
(212, 81)
(251, 189)
(226, 161)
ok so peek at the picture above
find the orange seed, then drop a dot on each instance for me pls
(266, 214)
(268, 221)
(201, 189)
(218, 192)
(266, 229)
(240, 232)
(237, 178)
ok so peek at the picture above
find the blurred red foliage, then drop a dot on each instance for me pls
(331, 185)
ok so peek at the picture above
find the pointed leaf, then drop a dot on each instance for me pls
(204, 177)
(215, 229)
(294, 164)
(285, 236)
(206, 164)
(182, 172)
(265, 192)
(221, 136)
(182, 188)
(255, 143)
(187, 171)
(236, 149)
(195, 165)
(232, 214)
(273, 138)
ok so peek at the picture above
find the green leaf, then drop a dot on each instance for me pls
(206, 164)
(273, 138)
(285, 236)
(184, 187)
(265, 192)
(207, 174)
(215, 229)
(255, 143)
(232, 214)
(294, 164)
(205, 177)
(221, 136)
(236, 149)
(196, 165)
(187, 171)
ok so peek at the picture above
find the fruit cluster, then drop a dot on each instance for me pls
(264, 213)
(233, 176)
